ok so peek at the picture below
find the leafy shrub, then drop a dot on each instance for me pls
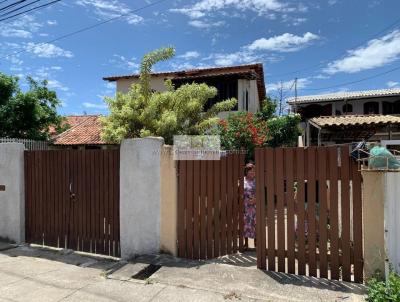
(381, 291)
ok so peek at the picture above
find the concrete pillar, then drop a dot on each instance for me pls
(12, 192)
(140, 196)
(169, 202)
(373, 222)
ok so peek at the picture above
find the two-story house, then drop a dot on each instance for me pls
(349, 116)
(244, 82)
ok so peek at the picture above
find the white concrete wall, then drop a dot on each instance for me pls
(251, 87)
(140, 200)
(392, 219)
(12, 200)
(157, 83)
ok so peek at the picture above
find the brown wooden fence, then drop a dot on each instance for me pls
(309, 214)
(72, 199)
(210, 207)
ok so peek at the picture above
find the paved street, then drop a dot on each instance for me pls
(33, 274)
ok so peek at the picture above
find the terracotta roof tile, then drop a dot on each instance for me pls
(86, 131)
(354, 120)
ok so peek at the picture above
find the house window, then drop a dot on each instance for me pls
(387, 108)
(391, 108)
(371, 108)
(347, 108)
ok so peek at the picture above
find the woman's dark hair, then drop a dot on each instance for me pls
(248, 167)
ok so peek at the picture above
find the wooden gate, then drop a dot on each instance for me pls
(210, 207)
(72, 199)
(309, 212)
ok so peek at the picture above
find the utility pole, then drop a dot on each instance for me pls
(295, 95)
(280, 98)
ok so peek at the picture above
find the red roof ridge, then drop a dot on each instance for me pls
(187, 71)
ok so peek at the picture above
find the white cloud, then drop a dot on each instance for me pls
(52, 22)
(392, 84)
(110, 9)
(47, 50)
(190, 55)
(94, 105)
(377, 53)
(202, 7)
(332, 2)
(301, 83)
(23, 27)
(55, 84)
(240, 57)
(124, 63)
(205, 24)
(286, 42)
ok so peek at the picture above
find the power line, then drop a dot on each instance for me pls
(356, 81)
(87, 28)
(32, 9)
(19, 8)
(339, 56)
(12, 5)
(1, 2)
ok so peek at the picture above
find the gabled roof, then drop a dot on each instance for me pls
(354, 120)
(351, 95)
(86, 131)
(256, 70)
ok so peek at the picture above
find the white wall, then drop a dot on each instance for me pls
(392, 219)
(251, 87)
(140, 196)
(12, 200)
(157, 83)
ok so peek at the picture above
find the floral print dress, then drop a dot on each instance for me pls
(249, 208)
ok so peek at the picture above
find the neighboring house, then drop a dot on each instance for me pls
(244, 82)
(85, 133)
(349, 116)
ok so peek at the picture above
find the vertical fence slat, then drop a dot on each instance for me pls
(279, 179)
(210, 208)
(260, 209)
(217, 208)
(189, 211)
(235, 189)
(269, 158)
(357, 224)
(241, 202)
(223, 205)
(196, 209)
(311, 210)
(203, 214)
(182, 209)
(300, 211)
(229, 203)
(289, 169)
(333, 212)
(345, 206)
(323, 221)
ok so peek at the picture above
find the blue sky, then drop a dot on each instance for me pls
(323, 43)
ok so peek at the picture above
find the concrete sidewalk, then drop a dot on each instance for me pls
(33, 274)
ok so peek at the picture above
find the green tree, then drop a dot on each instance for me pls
(142, 112)
(27, 114)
